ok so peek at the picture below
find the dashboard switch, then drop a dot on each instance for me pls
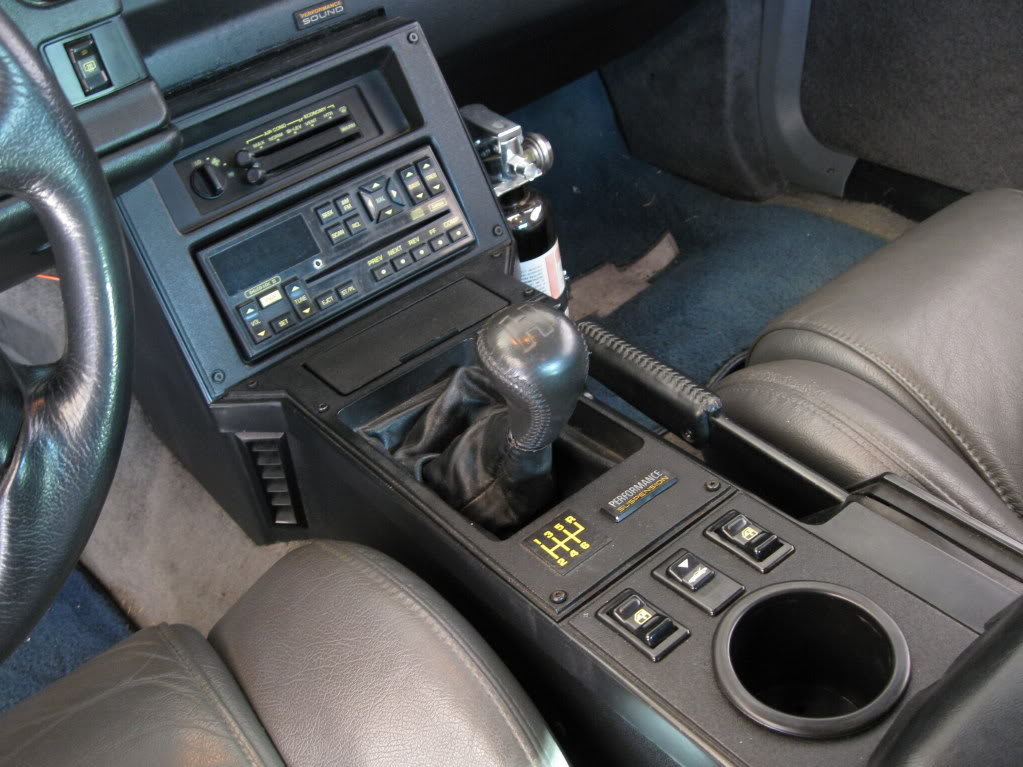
(746, 535)
(658, 632)
(634, 613)
(88, 65)
(706, 587)
(644, 626)
(691, 572)
(749, 540)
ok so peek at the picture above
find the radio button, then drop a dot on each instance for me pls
(395, 194)
(414, 187)
(345, 204)
(421, 252)
(337, 233)
(376, 203)
(248, 311)
(375, 185)
(347, 290)
(389, 212)
(431, 176)
(457, 233)
(382, 272)
(355, 224)
(369, 202)
(327, 300)
(258, 329)
(282, 323)
(401, 262)
(300, 300)
(326, 213)
(270, 298)
(439, 242)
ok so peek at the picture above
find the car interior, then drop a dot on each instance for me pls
(560, 382)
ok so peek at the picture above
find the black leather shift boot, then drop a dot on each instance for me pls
(458, 445)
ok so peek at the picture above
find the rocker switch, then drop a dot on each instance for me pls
(88, 65)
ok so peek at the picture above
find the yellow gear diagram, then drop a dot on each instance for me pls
(565, 543)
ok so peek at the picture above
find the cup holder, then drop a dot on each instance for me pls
(811, 659)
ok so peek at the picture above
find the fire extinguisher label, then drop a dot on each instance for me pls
(544, 273)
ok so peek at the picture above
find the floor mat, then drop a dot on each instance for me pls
(741, 263)
(81, 623)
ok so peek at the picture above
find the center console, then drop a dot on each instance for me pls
(314, 269)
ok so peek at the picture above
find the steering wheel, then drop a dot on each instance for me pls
(61, 425)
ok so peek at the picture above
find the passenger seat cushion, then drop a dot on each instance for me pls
(161, 698)
(349, 658)
(933, 321)
(849, 431)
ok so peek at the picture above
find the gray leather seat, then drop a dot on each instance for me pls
(909, 363)
(337, 656)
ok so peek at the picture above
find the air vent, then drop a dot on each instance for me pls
(271, 462)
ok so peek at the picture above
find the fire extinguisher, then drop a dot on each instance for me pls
(529, 218)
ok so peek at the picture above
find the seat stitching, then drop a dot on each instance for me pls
(828, 332)
(198, 676)
(868, 440)
(449, 636)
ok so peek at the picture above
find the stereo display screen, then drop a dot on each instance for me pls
(264, 255)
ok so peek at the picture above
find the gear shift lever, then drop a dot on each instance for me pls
(537, 361)
(497, 421)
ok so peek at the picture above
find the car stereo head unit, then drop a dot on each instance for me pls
(322, 258)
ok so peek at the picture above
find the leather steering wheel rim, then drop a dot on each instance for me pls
(73, 413)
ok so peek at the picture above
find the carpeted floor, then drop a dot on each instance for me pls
(740, 263)
(81, 623)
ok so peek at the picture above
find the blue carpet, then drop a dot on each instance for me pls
(81, 623)
(741, 263)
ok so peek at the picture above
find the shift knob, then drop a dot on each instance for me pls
(537, 360)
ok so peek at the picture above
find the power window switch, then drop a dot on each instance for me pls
(646, 628)
(88, 65)
(748, 536)
(749, 540)
(653, 636)
(634, 613)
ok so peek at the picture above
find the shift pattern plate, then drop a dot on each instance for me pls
(565, 543)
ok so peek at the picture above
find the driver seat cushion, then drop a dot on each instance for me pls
(337, 655)
(931, 323)
(160, 697)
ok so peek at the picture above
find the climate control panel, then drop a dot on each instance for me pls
(320, 259)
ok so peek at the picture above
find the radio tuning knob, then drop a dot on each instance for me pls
(255, 176)
(208, 181)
